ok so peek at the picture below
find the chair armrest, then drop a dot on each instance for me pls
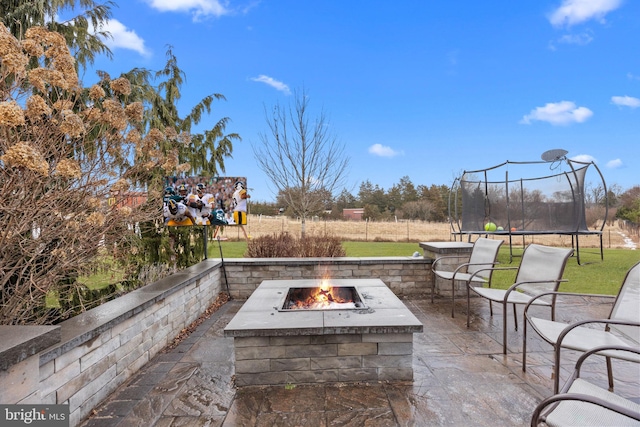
(467, 264)
(597, 350)
(437, 260)
(526, 307)
(528, 282)
(492, 269)
(574, 325)
(541, 411)
(535, 418)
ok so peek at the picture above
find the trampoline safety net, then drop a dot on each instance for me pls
(521, 198)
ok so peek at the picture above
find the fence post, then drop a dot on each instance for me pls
(366, 230)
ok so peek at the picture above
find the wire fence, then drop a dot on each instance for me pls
(615, 235)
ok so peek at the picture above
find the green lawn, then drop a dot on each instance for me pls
(593, 276)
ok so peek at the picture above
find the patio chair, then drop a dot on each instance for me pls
(483, 257)
(621, 328)
(582, 403)
(540, 270)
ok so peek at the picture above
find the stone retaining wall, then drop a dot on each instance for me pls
(323, 358)
(405, 276)
(100, 349)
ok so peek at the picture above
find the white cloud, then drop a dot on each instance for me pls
(579, 39)
(123, 38)
(626, 101)
(383, 151)
(558, 113)
(199, 8)
(584, 158)
(573, 12)
(615, 164)
(273, 83)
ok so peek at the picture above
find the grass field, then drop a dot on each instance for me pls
(593, 276)
(404, 231)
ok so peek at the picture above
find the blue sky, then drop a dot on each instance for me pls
(425, 89)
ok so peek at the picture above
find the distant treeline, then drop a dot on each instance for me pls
(405, 200)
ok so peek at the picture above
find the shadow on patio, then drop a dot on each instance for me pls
(460, 378)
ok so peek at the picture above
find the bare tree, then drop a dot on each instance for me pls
(301, 157)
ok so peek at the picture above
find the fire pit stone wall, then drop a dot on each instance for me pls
(405, 276)
(319, 346)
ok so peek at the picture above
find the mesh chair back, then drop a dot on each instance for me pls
(541, 263)
(483, 255)
(627, 304)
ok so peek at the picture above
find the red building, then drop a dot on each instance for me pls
(354, 214)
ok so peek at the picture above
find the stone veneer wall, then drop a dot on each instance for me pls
(100, 349)
(405, 276)
(323, 358)
(103, 347)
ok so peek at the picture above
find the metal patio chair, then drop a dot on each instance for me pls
(540, 270)
(582, 403)
(621, 328)
(483, 257)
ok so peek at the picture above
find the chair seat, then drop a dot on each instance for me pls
(497, 295)
(448, 275)
(583, 338)
(574, 413)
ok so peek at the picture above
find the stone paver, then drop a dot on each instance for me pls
(461, 377)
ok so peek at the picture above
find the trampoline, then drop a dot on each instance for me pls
(516, 199)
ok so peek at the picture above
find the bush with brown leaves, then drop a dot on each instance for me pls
(284, 245)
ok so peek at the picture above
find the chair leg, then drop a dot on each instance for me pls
(515, 316)
(433, 285)
(556, 368)
(453, 297)
(524, 344)
(468, 305)
(610, 373)
(504, 329)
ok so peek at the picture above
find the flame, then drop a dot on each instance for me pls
(322, 297)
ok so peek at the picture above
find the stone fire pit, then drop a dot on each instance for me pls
(275, 346)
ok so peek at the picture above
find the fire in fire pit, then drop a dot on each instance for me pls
(324, 297)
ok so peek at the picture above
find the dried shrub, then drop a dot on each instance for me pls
(594, 216)
(320, 246)
(284, 245)
(68, 175)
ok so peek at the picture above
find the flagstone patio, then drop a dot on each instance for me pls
(461, 378)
